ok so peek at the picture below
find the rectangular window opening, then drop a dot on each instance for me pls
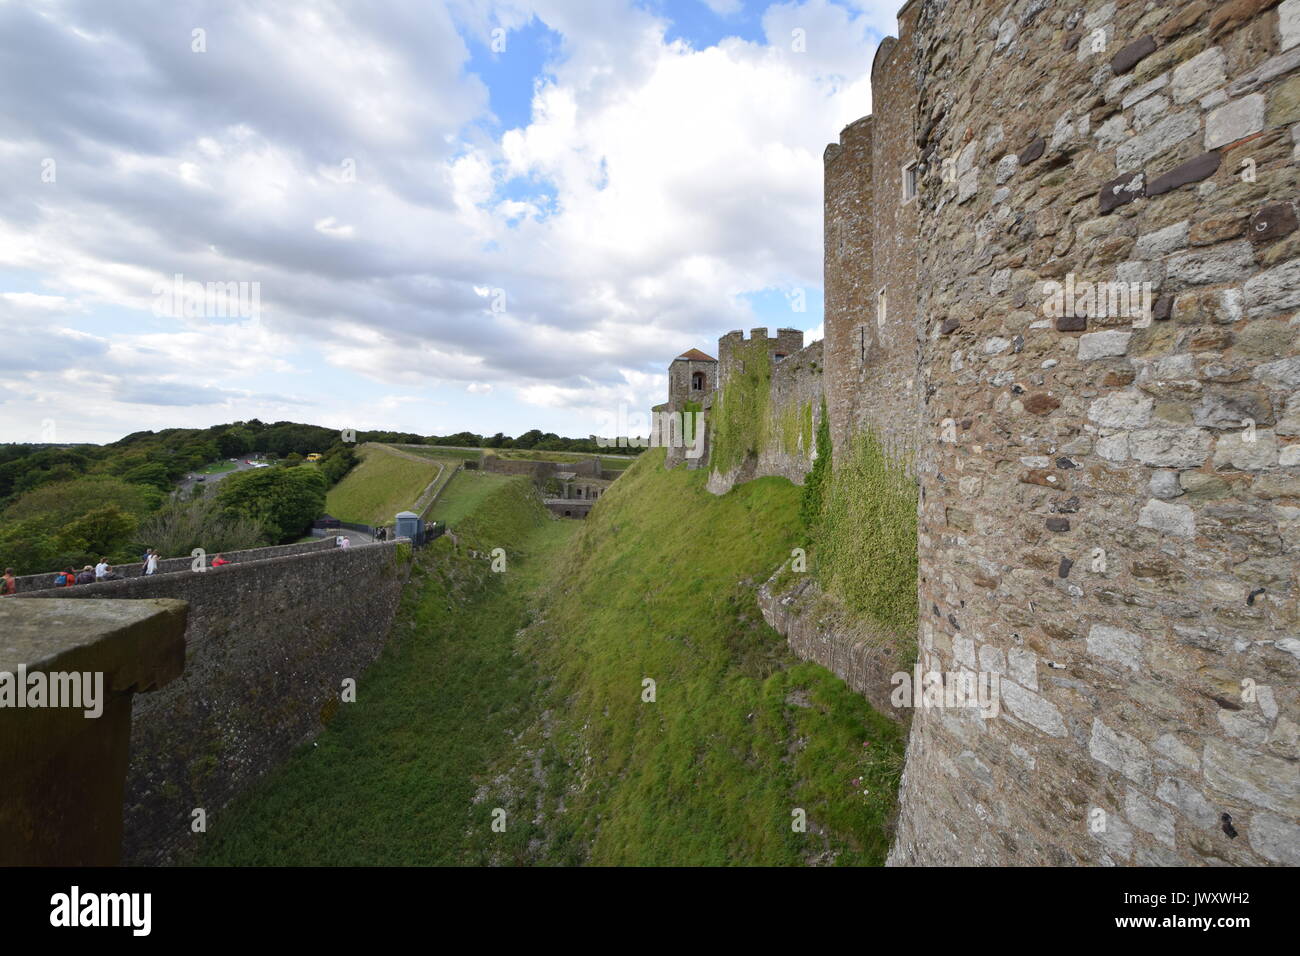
(909, 182)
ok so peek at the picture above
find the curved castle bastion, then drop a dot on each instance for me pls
(1109, 498)
(1062, 275)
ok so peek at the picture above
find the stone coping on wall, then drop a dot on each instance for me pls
(818, 628)
(41, 582)
(141, 583)
(137, 645)
(63, 764)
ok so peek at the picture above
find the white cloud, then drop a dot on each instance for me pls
(669, 182)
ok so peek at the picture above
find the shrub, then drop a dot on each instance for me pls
(180, 527)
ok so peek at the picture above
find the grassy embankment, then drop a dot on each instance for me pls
(612, 462)
(463, 496)
(524, 693)
(381, 485)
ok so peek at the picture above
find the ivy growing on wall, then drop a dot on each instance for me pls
(865, 531)
(744, 420)
(740, 411)
(814, 484)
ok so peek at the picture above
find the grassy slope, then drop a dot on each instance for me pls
(528, 454)
(441, 453)
(391, 780)
(379, 487)
(659, 584)
(464, 494)
(472, 710)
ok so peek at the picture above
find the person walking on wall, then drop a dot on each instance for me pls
(86, 575)
(8, 584)
(65, 578)
(101, 569)
(151, 562)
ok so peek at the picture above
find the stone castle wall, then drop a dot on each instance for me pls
(786, 342)
(267, 646)
(1108, 485)
(680, 374)
(1109, 504)
(540, 470)
(796, 389)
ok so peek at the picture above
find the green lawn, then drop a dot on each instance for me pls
(464, 494)
(379, 487)
(527, 454)
(659, 584)
(441, 453)
(216, 468)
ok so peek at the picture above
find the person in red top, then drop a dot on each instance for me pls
(7, 583)
(219, 561)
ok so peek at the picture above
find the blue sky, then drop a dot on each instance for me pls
(477, 215)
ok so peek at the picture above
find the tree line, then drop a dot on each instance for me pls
(70, 505)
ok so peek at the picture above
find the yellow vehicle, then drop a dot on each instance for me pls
(314, 456)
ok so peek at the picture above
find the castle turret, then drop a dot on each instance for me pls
(785, 343)
(691, 376)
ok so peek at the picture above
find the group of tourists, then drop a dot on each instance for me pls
(103, 571)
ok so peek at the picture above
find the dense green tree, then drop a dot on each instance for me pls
(101, 532)
(64, 501)
(235, 442)
(285, 500)
(154, 474)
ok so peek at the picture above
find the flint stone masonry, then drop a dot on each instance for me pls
(1131, 661)
(1093, 525)
(267, 645)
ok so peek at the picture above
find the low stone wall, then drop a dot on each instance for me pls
(43, 581)
(569, 507)
(268, 645)
(541, 470)
(819, 630)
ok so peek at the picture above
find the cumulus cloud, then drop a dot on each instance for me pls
(341, 156)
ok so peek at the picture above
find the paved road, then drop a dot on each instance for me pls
(185, 484)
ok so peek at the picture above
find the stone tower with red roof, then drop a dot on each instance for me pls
(691, 376)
